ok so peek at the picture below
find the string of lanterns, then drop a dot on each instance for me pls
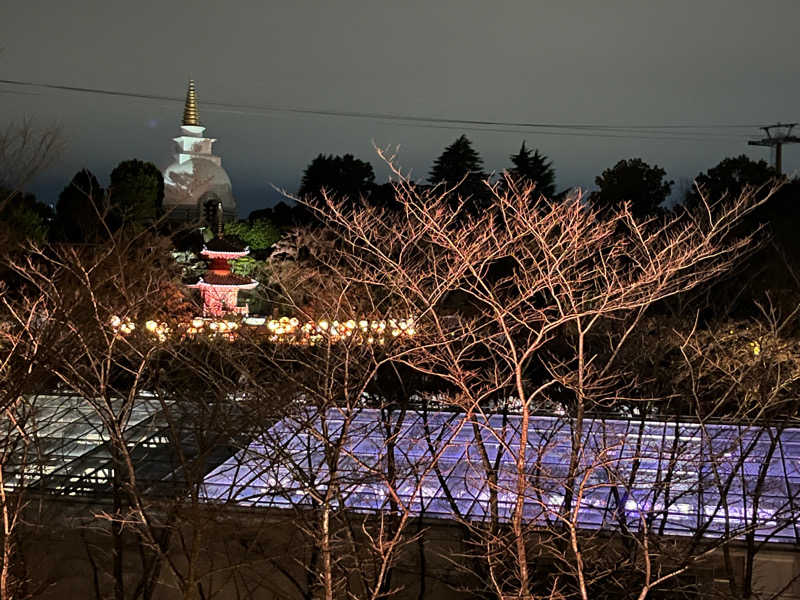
(285, 330)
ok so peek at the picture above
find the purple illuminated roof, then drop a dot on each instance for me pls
(675, 479)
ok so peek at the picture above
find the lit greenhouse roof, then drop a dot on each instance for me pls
(678, 479)
(68, 453)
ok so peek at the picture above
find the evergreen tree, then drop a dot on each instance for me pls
(82, 213)
(137, 191)
(633, 181)
(729, 177)
(460, 163)
(282, 216)
(23, 218)
(259, 234)
(343, 177)
(534, 168)
(773, 266)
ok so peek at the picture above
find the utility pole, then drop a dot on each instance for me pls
(777, 140)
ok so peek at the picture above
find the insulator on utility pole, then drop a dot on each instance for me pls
(776, 139)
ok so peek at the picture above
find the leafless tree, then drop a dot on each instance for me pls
(745, 372)
(326, 381)
(305, 461)
(78, 316)
(509, 307)
(25, 151)
(64, 318)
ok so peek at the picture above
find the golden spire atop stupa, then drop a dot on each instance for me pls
(190, 114)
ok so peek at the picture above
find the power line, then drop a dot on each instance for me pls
(662, 132)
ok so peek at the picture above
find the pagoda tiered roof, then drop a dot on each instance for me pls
(219, 285)
(228, 279)
(225, 245)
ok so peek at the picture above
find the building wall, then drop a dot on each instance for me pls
(241, 554)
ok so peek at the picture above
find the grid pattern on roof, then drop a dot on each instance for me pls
(673, 478)
(68, 451)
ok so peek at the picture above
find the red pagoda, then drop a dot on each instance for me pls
(219, 286)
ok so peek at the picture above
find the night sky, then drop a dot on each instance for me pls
(635, 66)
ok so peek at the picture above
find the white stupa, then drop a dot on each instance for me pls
(195, 178)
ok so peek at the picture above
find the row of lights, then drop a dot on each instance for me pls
(376, 331)
(126, 326)
(286, 330)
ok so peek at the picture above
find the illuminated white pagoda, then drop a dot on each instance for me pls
(195, 179)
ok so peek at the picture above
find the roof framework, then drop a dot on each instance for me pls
(673, 478)
(68, 453)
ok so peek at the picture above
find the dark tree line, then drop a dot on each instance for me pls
(459, 173)
(85, 212)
